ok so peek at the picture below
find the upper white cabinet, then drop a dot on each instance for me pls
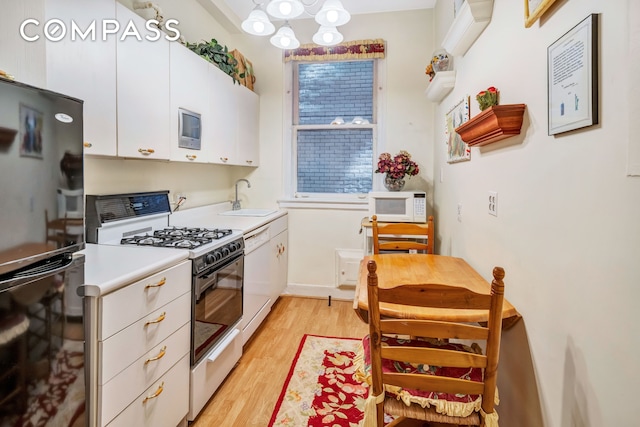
(189, 75)
(248, 126)
(235, 115)
(144, 116)
(86, 69)
(223, 104)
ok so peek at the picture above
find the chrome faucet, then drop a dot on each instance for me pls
(236, 202)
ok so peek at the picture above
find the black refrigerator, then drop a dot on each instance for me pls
(42, 357)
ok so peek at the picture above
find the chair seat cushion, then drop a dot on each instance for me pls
(445, 403)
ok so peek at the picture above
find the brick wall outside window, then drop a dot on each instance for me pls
(335, 160)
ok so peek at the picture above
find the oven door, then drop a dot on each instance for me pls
(217, 305)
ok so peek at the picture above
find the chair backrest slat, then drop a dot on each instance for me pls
(436, 296)
(430, 382)
(451, 358)
(433, 329)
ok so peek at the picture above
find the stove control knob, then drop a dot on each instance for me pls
(233, 246)
(225, 251)
(209, 259)
(218, 255)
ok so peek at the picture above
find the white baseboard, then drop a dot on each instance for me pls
(342, 293)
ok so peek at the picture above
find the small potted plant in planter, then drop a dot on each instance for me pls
(214, 52)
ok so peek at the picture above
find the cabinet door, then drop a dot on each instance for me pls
(86, 69)
(143, 97)
(224, 117)
(189, 75)
(279, 264)
(248, 127)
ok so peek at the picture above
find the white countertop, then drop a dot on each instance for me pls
(111, 267)
(209, 217)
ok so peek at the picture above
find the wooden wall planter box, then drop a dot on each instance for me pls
(493, 124)
(7, 135)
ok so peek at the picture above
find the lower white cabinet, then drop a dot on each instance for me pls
(164, 403)
(279, 257)
(144, 333)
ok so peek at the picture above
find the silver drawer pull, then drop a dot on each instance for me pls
(160, 355)
(191, 156)
(158, 320)
(146, 151)
(157, 285)
(224, 159)
(156, 394)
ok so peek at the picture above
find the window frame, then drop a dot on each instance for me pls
(293, 198)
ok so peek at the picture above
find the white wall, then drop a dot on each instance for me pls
(567, 230)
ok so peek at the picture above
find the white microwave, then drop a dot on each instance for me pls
(398, 206)
(189, 129)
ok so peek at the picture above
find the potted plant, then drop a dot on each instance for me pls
(396, 168)
(214, 52)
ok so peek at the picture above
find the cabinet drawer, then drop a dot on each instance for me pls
(123, 348)
(127, 385)
(277, 226)
(167, 408)
(127, 305)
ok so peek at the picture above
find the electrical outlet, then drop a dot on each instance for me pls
(493, 203)
(459, 212)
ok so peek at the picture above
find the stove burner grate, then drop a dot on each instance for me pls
(178, 237)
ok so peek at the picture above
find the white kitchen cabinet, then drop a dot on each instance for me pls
(144, 112)
(279, 257)
(84, 69)
(143, 346)
(189, 75)
(224, 116)
(235, 116)
(248, 127)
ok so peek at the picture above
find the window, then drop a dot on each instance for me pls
(333, 160)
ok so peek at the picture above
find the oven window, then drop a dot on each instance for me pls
(219, 306)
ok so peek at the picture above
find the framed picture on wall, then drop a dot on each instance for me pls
(572, 78)
(31, 123)
(457, 149)
(533, 9)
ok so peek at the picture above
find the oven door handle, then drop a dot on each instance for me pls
(223, 345)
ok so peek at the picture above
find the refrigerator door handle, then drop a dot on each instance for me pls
(38, 270)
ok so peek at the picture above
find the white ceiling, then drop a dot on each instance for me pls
(241, 8)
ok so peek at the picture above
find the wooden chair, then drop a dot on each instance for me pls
(56, 230)
(386, 237)
(432, 369)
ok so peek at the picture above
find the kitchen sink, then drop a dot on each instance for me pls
(249, 212)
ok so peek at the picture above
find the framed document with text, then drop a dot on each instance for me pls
(572, 79)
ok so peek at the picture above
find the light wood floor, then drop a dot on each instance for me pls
(250, 392)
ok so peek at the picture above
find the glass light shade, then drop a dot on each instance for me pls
(285, 38)
(332, 14)
(327, 36)
(258, 24)
(285, 9)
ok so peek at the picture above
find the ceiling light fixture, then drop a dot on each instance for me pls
(331, 15)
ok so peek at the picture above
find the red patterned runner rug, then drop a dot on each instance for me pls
(320, 389)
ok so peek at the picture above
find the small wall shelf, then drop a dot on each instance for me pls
(493, 124)
(470, 21)
(442, 83)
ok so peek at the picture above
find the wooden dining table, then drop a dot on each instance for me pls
(407, 269)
